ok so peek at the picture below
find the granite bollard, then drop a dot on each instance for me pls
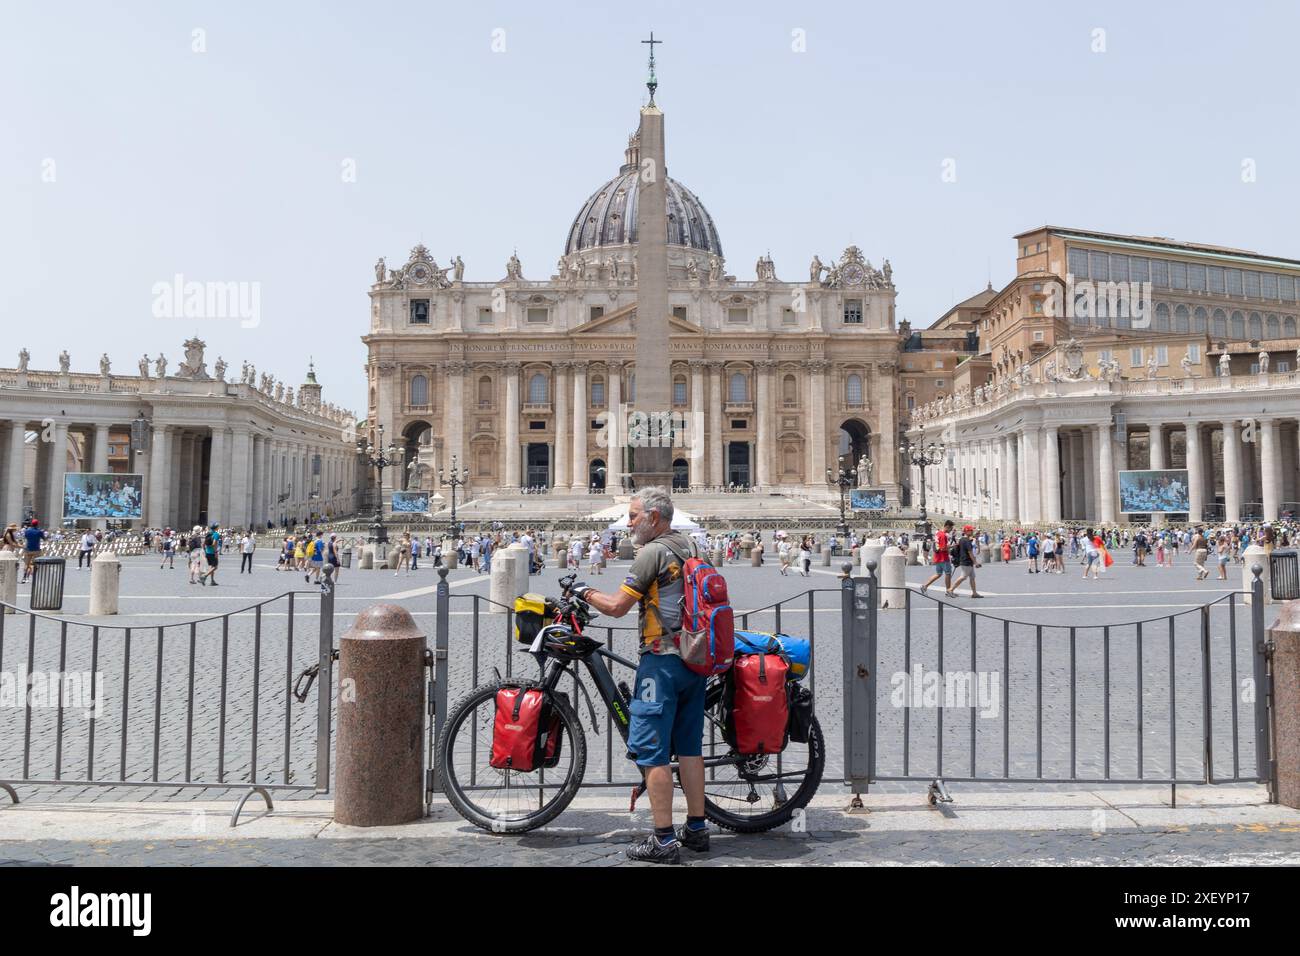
(626, 550)
(501, 585)
(1285, 635)
(9, 565)
(105, 581)
(379, 778)
(1252, 556)
(893, 578)
(449, 559)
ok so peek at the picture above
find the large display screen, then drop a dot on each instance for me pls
(103, 495)
(1154, 492)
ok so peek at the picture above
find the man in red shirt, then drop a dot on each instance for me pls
(942, 558)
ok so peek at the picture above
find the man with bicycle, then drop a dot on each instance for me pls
(667, 710)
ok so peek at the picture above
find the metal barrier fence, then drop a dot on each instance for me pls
(1179, 698)
(205, 703)
(474, 634)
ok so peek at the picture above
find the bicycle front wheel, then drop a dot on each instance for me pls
(499, 800)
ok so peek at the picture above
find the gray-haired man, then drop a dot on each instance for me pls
(667, 710)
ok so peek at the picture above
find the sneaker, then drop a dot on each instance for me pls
(650, 850)
(697, 840)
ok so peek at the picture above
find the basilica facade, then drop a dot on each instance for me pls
(521, 379)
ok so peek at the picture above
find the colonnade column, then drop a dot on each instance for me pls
(218, 477)
(17, 458)
(1231, 471)
(1156, 443)
(511, 412)
(1011, 503)
(1195, 473)
(578, 480)
(1268, 466)
(240, 459)
(1105, 481)
(817, 403)
(563, 453)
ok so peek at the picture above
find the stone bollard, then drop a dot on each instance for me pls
(826, 557)
(367, 561)
(1256, 555)
(394, 555)
(871, 550)
(997, 553)
(986, 554)
(9, 565)
(1285, 636)
(756, 558)
(893, 578)
(379, 779)
(520, 553)
(562, 553)
(746, 544)
(914, 553)
(449, 558)
(626, 550)
(105, 580)
(501, 586)
(716, 557)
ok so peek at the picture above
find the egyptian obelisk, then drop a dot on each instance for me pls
(652, 465)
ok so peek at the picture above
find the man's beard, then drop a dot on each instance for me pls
(643, 533)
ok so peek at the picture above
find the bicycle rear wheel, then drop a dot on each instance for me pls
(506, 801)
(758, 793)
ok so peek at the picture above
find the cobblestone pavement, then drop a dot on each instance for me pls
(1019, 612)
(1189, 846)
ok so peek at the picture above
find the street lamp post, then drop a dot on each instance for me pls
(845, 478)
(386, 456)
(459, 477)
(922, 458)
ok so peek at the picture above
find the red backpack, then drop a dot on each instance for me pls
(756, 706)
(526, 733)
(707, 640)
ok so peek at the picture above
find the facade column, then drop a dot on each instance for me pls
(158, 507)
(1052, 476)
(578, 479)
(454, 378)
(1090, 464)
(1231, 471)
(817, 436)
(16, 459)
(614, 428)
(240, 457)
(181, 479)
(717, 466)
(511, 412)
(695, 429)
(763, 470)
(1195, 473)
(1105, 480)
(100, 461)
(1268, 466)
(563, 460)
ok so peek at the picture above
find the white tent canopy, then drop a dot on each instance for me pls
(682, 520)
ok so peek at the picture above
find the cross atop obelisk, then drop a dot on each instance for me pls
(652, 83)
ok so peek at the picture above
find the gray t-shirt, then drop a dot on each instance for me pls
(656, 581)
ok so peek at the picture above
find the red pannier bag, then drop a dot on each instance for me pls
(526, 733)
(757, 717)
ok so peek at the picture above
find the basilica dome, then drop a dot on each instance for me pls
(608, 218)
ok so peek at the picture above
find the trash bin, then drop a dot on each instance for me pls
(1284, 568)
(47, 584)
(347, 557)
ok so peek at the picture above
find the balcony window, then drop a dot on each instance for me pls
(853, 390)
(537, 390)
(419, 390)
(738, 389)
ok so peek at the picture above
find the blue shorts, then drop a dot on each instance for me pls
(943, 567)
(667, 711)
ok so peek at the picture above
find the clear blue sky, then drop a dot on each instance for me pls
(227, 164)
